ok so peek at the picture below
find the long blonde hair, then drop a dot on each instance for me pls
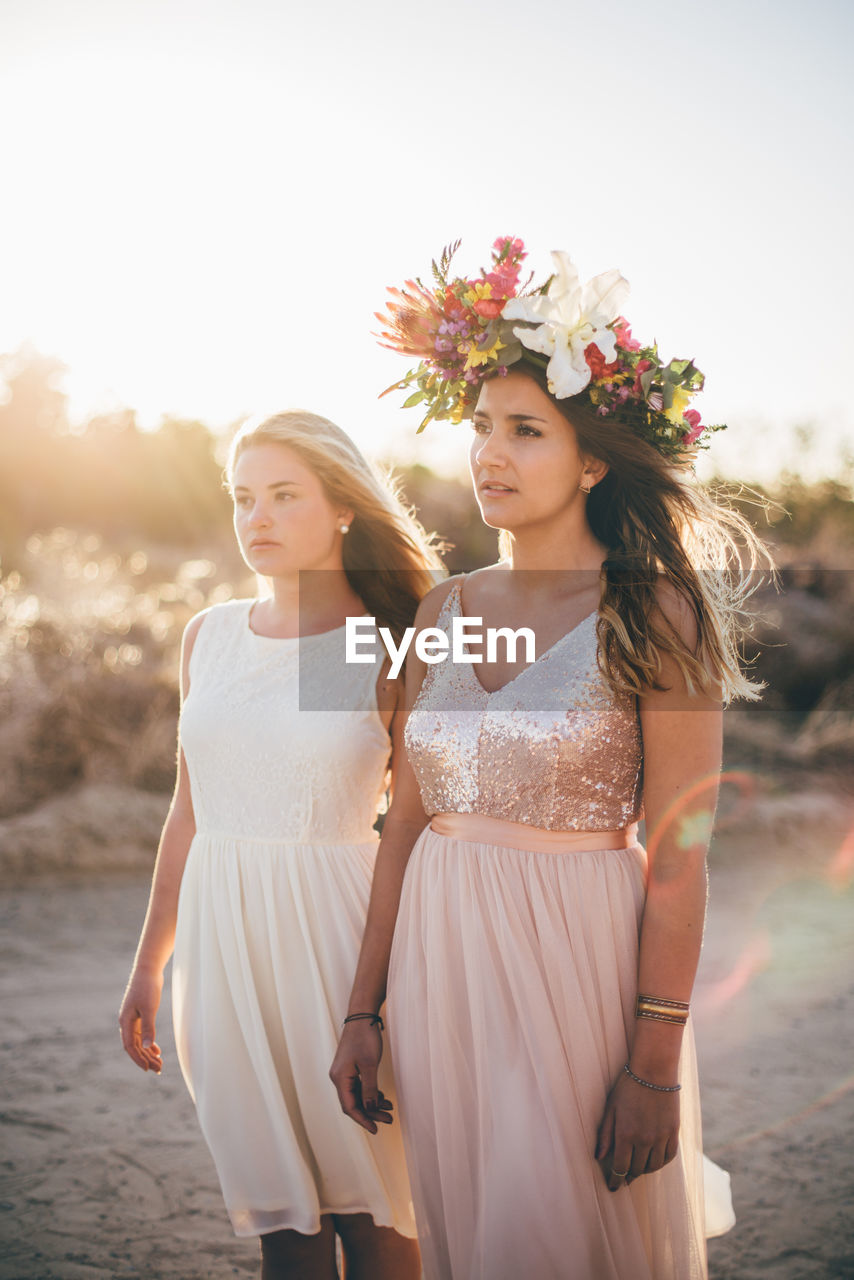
(389, 559)
(659, 524)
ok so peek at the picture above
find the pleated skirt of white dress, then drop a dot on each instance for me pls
(267, 942)
(511, 1000)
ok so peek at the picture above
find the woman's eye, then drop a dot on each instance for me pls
(480, 428)
(281, 496)
(524, 429)
(241, 502)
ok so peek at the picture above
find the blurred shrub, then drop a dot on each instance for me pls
(447, 507)
(110, 476)
(89, 646)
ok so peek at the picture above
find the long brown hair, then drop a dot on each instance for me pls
(657, 521)
(389, 560)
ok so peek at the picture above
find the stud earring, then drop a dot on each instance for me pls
(585, 488)
(343, 528)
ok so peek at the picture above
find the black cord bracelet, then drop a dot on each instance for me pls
(376, 1020)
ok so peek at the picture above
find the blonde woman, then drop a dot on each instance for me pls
(539, 962)
(264, 869)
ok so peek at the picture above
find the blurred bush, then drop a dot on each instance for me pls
(89, 643)
(108, 477)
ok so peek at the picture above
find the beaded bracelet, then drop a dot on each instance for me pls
(376, 1020)
(660, 1088)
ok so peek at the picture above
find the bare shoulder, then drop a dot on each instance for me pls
(227, 612)
(192, 629)
(431, 605)
(188, 640)
(481, 586)
(487, 587)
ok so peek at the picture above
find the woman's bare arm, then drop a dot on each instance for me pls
(142, 996)
(354, 1070)
(682, 759)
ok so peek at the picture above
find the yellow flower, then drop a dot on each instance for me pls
(479, 289)
(681, 400)
(475, 357)
(616, 379)
(457, 411)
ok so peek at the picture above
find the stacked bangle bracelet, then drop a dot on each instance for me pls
(662, 1010)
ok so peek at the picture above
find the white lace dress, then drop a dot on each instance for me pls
(270, 920)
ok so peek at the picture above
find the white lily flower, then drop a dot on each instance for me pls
(569, 317)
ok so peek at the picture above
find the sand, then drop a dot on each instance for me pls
(104, 1172)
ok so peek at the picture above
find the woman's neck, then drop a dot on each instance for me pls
(312, 600)
(549, 549)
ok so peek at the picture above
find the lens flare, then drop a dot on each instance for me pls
(840, 872)
(755, 957)
(692, 822)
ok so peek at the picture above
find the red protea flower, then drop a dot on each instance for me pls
(413, 320)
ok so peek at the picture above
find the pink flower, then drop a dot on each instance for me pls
(692, 416)
(503, 282)
(513, 246)
(640, 367)
(624, 336)
(507, 257)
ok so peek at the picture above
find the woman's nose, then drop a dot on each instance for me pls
(258, 515)
(489, 452)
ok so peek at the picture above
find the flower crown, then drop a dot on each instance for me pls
(464, 330)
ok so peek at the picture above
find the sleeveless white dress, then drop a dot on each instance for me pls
(270, 920)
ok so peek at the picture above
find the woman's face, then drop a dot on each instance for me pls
(525, 462)
(282, 517)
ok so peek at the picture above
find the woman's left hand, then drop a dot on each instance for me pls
(639, 1132)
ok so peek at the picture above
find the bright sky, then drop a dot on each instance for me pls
(205, 199)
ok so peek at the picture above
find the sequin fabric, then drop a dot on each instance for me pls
(553, 748)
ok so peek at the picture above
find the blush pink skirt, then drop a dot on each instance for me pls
(510, 1008)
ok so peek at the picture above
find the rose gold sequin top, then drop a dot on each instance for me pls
(553, 748)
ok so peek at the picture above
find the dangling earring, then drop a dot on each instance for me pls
(343, 528)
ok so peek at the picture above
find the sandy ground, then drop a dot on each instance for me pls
(103, 1171)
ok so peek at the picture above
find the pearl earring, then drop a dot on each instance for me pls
(343, 528)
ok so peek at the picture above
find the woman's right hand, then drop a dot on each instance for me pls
(354, 1074)
(137, 1016)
